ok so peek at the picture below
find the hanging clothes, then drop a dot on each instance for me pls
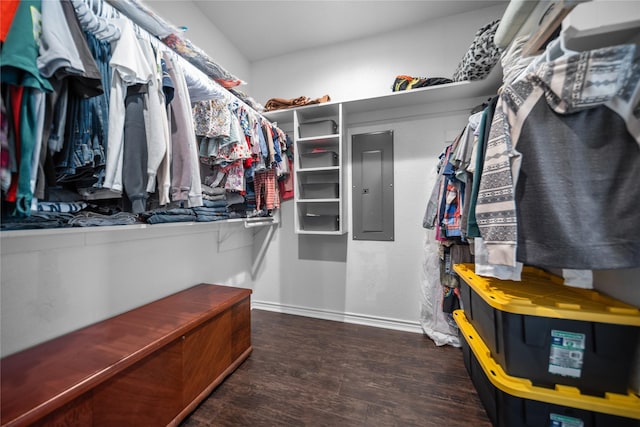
(476, 164)
(19, 70)
(95, 108)
(266, 189)
(533, 155)
(82, 146)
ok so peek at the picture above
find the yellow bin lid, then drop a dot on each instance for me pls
(543, 294)
(622, 405)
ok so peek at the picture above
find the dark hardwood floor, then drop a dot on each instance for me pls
(310, 372)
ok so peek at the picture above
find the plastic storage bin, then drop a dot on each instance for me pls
(318, 159)
(514, 402)
(325, 190)
(311, 222)
(317, 128)
(550, 333)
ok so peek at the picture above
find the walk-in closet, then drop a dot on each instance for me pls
(320, 213)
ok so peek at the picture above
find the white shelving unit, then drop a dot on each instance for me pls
(319, 158)
(392, 106)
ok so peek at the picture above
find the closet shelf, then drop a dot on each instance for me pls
(191, 226)
(324, 169)
(414, 97)
(334, 200)
(319, 139)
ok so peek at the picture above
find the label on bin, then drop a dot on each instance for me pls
(556, 420)
(567, 351)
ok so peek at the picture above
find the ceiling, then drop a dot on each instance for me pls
(266, 28)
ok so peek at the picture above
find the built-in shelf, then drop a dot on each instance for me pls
(328, 168)
(409, 98)
(329, 213)
(191, 226)
(318, 161)
(319, 139)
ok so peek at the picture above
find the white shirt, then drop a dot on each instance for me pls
(129, 67)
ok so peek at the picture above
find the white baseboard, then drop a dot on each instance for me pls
(358, 319)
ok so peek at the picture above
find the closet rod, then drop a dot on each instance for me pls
(157, 29)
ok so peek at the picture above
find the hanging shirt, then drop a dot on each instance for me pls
(19, 53)
(18, 59)
(58, 50)
(571, 173)
(495, 208)
(212, 118)
(476, 164)
(155, 117)
(130, 67)
(185, 183)
(88, 83)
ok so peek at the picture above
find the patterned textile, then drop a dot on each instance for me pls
(513, 63)
(583, 80)
(266, 187)
(586, 79)
(495, 208)
(94, 219)
(403, 82)
(431, 211)
(475, 167)
(482, 55)
(212, 118)
(281, 103)
(234, 148)
(61, 206)
(452, 211)
(235, 178)
(201, 60)
(572, 83)
(147, 19)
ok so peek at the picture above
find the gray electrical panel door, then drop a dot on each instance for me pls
(372, 176)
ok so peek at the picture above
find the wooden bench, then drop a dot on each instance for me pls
(150, 366)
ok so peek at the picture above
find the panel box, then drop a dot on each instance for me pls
(515, 402)
(550, 333)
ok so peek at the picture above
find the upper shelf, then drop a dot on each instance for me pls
(420, 96)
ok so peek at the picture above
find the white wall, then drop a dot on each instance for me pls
(360, 280)
(368, 67)
(56, 281)
(336, 277)
(368, 282)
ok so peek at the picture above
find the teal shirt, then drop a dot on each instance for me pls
(472, 224)
(19, 68)
(20, 50)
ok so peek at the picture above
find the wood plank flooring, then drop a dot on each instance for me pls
(311, 372)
